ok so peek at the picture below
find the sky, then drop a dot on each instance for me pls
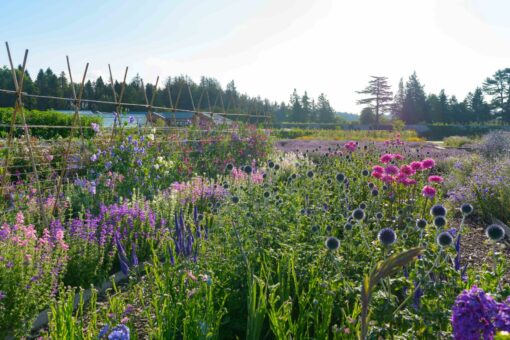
(269, 47)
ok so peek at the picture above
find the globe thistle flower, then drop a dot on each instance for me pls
(421, 223)
(248, 169)
(466, 209)
(440, 221)
(328, 228)
(348, 226)
(315, 229)
(235, 199)
(363, 206)
(365, 172)
(495, 232)
(438, 210)
(379, 215)
(329, 181)
(387, 236)
(371, 185)
(293, 176)
(332, 243)
(309, 174)
(340, 177)
(277, 166)
(444, 239)
(270, 164)
(266, 194)
(358, 214)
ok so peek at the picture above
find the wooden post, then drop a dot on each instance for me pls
(18, 85)
(118, 101)
(76, 121)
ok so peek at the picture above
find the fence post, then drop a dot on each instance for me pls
(118, 101)
(18, 85)
(76, 120)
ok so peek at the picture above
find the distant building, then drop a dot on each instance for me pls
(187, 118)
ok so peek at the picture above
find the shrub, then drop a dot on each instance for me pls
(495, 143)
(457, 141)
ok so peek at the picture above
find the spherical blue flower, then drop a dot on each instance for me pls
(332, 243)
(235, 199)
(358, 214)
(309, 174)
(248, 169)
(438, 210)
(440, 221)
(466, 209)
(348, 226)
(387, 236)
(444, 239)
(421, 223)
(340, 177)
(495, 232)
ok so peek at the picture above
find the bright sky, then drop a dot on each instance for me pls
(269, 47)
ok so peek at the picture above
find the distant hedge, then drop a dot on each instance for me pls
(45, 118)
(438, 132)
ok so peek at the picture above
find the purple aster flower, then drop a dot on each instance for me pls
(2, 295)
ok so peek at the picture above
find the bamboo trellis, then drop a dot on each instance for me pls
(77, 102)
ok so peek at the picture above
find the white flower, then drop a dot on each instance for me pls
(153, 130)
(150, 137)
(160, 159)
(156, 166)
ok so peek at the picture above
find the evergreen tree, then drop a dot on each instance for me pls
(398, 101)
(498, 87)
(480, 110)
(325, 112)
(379, 96)
(415, 104)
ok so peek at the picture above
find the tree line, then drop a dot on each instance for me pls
(490, 101)
(410, 103)
(180, 92)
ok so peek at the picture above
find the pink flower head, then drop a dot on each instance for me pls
(407, 170)
(387, 178)
(351, 146)
(386, 158)
(428, 191)
(428, 163)
(377, 174)
(409, 181)
(436, 179)
(416, 166)
(398, 157)
(391, 170)
(20, 219)
(378, 168)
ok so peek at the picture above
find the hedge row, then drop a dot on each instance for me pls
(47, 119)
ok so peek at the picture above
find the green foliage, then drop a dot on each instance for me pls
(457, 141)
(47, 119)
